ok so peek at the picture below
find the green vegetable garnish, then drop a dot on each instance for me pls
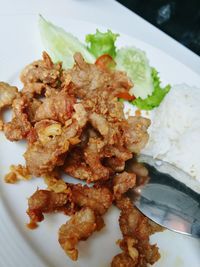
(102, 43)
(62, 45)
(156, 97)
(135, 63)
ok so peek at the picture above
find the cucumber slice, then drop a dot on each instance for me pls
(135, 63)
(62, 45)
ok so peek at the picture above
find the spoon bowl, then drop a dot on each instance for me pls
(169, 197)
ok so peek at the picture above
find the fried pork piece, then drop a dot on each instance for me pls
(34, 89)
(122, 182)
(136, 229)
(98, 199)
(79, 227)
(44, 201)
(76, 165)
(51, 146)
(136, 135)
(37, 75)
(33, 105)
(20, 126)
(104, 102)
(93, 158)
(7, 94)
(58, 107)
(88, 77)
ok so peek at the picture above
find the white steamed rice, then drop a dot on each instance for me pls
(175, 130)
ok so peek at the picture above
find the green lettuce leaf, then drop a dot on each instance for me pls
(102, 43)
(156, 97)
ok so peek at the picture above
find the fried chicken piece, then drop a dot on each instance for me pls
(122, 183)
(58, 107)
(17, 173)
(20, 126)
(136, 135)
(79, 227)
(50, 149)
(41, 71)
(136, 229)
(98, 199)
(44, 201)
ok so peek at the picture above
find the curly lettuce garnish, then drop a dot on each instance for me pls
(156, 97)
(102, 43)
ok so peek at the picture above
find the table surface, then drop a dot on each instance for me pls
(178, 18)
(108, 13)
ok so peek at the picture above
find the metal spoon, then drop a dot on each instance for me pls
(166, 200)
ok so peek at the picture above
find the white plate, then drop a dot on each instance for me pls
(20, 44)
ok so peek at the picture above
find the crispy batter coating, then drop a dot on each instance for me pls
(98, 199)
(7, 94)
(136, 229)
(41, 71)
(136, 134)
(44, 201)
(122, 183)
(20, 126)
(79, 227)
(58, 107)
(17, 173)
(51, 147)
(72, 121)
(122, 260)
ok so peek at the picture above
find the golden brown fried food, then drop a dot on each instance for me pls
(20, 126)
(93, 158)
(73, 121)
(136, 229)
(44, 201)
(89, 77)
(136, 133)
(79, 227)
(98, 199)
(77, 166)
(51, 146)
(58, 107)
(122, 183)
(17, 172)
(7, 94)
(122, 260)
(41, 71)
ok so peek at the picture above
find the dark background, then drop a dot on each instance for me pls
(178, 18)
